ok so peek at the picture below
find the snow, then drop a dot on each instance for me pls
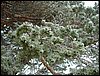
(68, 68)
(26, 69)
(87, 59)
(67, 71)
(2, 32)
(89, 3)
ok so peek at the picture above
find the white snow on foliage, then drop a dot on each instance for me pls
(26, 69)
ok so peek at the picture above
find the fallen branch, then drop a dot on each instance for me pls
(48, 66)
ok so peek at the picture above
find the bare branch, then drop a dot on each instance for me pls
(48, 66)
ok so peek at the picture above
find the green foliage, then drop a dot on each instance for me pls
(86, 71)
(8, 62)
(35, 42)
(42, 41)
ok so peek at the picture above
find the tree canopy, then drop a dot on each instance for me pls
(49, 33)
